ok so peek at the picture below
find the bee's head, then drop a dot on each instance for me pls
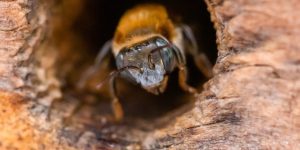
(152, 59)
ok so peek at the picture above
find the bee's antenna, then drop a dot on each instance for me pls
(115, 73)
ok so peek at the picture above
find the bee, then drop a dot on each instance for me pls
(147, 46)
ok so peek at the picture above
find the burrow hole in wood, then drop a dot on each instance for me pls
(96, 23)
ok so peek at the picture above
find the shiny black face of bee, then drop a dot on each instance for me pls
(154, 59)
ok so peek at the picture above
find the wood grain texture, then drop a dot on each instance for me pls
(23, 78)
(253, 100)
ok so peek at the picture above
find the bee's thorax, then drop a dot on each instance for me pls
(142, 22)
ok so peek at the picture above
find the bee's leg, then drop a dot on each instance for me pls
(183, 74)
(93, 69)
(204, 65)
(200, 59)
(115, 103)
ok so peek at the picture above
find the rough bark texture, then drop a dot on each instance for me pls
(252, 102)
(22, 77)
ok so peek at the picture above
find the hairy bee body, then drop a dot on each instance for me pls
(140, 31)
(147, 47)
(143, 22)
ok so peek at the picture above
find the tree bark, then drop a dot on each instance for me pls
(252, 102)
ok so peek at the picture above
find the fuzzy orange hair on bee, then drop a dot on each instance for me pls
(141, 22)
(147, 47)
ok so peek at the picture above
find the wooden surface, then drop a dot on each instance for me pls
(252, 102)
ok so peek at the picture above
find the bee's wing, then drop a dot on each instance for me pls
(200, 59)
(103, 52)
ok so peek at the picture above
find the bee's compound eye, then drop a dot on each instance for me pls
(168, 59)
(119, 60)
(161, 42)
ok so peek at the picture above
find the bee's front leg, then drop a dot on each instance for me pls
(183, 80)
(115, 103)
(200, 59)
(183, 72)
(203, 64)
